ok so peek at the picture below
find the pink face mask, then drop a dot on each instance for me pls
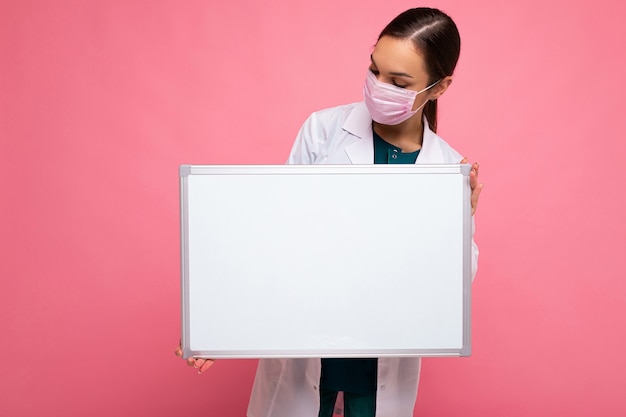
(388, 104)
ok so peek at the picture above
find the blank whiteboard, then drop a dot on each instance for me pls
(325, 260)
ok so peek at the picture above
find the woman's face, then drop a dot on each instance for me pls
(396, 61)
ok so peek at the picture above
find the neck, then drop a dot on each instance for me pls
(408, 135)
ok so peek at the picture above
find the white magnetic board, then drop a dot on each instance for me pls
(325, 260)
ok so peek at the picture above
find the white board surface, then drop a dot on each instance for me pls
(325, 261)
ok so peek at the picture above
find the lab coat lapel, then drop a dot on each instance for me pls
(431, 152)
(359, 124)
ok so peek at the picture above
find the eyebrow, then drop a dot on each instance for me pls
(395, 74)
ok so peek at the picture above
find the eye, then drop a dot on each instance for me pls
(398, 85)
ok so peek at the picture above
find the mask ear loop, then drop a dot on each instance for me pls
(431, 86)
(435, 83)
(426, 89)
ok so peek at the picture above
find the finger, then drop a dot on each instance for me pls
(191, 361)
(207, 364)
(475, 168)
(473, 177)
(178, 352)
(463, 161)
(475, 196)
(199, 363)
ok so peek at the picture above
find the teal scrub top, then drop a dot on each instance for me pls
(359, 375)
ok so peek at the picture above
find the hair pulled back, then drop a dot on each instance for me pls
(436, 37)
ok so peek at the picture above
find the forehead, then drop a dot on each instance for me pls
(398, 55)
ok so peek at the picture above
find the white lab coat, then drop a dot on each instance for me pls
(289, 387)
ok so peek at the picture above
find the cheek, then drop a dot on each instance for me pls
(416, 103)
(420, 100)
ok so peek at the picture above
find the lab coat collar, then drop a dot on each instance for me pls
(359, 124)
(431, 152)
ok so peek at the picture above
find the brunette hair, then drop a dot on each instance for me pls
(436, 37)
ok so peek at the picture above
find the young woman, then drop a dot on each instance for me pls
(411, 67)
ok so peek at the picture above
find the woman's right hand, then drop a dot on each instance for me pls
(201, 364)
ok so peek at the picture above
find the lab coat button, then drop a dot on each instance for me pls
(394, 156)
(382, 387)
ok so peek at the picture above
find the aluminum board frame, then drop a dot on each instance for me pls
(191, 349)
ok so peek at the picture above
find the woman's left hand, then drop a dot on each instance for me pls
(474, 184)
(201, 364)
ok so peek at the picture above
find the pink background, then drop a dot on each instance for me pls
(101, 101)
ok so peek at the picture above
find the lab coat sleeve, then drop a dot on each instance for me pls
(309, 142)
(474, 251)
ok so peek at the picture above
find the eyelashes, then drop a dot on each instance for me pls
(393, 81)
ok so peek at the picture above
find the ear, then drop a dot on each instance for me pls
(441, 87)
